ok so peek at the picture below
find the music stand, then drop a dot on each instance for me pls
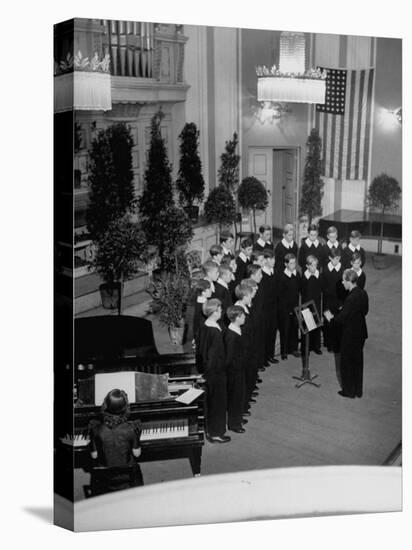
(308, 319)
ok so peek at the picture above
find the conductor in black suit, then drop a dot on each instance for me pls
(351, 319)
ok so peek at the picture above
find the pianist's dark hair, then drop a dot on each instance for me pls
(116, 404)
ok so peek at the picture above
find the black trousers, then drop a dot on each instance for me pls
(235, 396)
(216, 386)
(288, 329)
(351, 369)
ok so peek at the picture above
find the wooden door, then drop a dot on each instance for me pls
(260, 165)
(284, 187)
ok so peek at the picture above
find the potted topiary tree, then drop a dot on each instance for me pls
(220, 207)
(252, 196)
(190, 183)
(383, 195)
(312, 188)
(172, 291)
(111, 202)
(228, 173)
(120, 251)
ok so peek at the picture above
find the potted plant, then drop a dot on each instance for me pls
(172, 291)
(119, 253)
(220, 208)
(312, 188)
(111, 203)
(253, 196)
(190, 183)
(383, 195)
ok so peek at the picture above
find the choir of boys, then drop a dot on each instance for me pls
(235, 342)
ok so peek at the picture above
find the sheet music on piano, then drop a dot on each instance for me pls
(189, 396)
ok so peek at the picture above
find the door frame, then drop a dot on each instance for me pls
(298, 152)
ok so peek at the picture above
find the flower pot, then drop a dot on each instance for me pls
(111, 294)
(192, 212)
(176, 334)
(379, 261)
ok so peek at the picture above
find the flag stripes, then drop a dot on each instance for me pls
(346, 137)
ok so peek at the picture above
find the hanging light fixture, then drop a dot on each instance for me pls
(290, 82)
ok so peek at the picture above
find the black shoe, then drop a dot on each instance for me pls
(284, 357)
(244, 421)
(274, 360)
(247, 413)
(266, 364)
(359, 395)
(219, 439)
(346, 395)
(318, 351)
(259, 380)
(238, 430)
(255, 393)
(251, 400)
(297, 354)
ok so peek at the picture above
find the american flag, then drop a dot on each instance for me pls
(344, 123)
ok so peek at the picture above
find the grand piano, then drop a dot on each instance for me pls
(170, 429)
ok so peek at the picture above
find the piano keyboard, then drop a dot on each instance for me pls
(162, 429)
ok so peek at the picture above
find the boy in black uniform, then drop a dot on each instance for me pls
(235, 356)
(353, 246)
(286, 246)
(243, 259)
(216, 253)
(203, 292)
(258, 318)
(312, 290)
(311, 247)
(332, 242)
(244, 293)
(211, 273)
(264, 241)
(222, 291)
(270, 309)
(214, 364)
(226, 242)
(331, 278)
(289, 293)
(356, 263)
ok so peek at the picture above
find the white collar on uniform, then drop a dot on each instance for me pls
(243, 256)
(239, 303)
(222, 283)
(235, 328)
(354, 248)
(358, 273)
(331, 267)
(201, 300)
(210, 323)
(286, 244)
(261, 241)
(309, 243)
(226, 251)
(332, 245)
(308, 274)
(289, 273)
(267, 270)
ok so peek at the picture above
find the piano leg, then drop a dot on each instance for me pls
(195, 460)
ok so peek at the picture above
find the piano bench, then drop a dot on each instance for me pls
(108, 479)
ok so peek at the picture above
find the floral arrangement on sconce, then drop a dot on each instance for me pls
(269, 111)
(80, 63)
(310, 74)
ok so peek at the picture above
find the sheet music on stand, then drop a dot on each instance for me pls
(309, 319)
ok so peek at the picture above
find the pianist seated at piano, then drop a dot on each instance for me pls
(115, 442)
